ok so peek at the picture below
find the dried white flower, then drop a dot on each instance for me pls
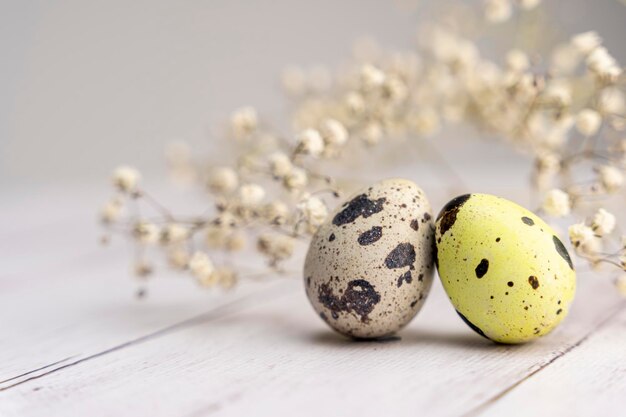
(611, 100)
(583, 239)
(202, 268)
(425, 122)
(314, 211)
(126, 178)
(355, 103)
(371, 77)
(395, 89)
(178, 257)
(236, 241)
(296, 179)
(557, 203)
(174, 233)
(333, 132)
(603, 222)
(372, 133)
(276, 212)
(586, 42)
(497, 11)
(111, 210)
(279, 164)
(611, 178)
(310, 142)
(225, 277)
(517, 60)
(147, 233)
(223, 180)
(251, 195)
(244, 122)
(603, 64)
(588, 122)
(216, 237)
(275, 246)
(559, 92)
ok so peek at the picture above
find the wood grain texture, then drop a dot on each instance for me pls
(75, 342)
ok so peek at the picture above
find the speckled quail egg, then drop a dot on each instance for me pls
(506, 272)
(370, 266)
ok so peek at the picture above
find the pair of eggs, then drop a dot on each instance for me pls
(370, 267)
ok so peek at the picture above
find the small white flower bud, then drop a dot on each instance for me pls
(603, 222)
(276, 247)
(611, 178)
(111, 210)
(371, 77)
(226, 277)
(296, 179)
(279, 164)
(251, 195)
(126, 178)
(174, 233)
(583, 238)
(310, 142)
(586, 42)
(355, 103)
(557, 203)
(588, 122)
(201, 267)
(223, 180)
(517, 60)
(333, 132)
(147, 233)
(244, 121)
(236, 241)
(314, 211)
(276, 212)
(372, 133)
(497, 11)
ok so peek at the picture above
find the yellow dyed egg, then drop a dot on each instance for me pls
(506, 272)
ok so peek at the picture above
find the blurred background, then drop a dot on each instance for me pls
(85, 86)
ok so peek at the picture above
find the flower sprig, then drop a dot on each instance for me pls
(566, 110)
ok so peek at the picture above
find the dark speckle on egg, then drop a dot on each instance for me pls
(401, 256)
(406, 277)
(482, 268)
(359, 297)
(370, 236)
(447, 216)
(528, 221)
(560, 248)
(358, 206)
(533, 281)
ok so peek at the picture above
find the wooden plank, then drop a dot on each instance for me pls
(589, 381)
(279, 358)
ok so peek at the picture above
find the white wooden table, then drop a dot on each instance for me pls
(75, 342)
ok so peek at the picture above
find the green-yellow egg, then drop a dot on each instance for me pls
(506, 272)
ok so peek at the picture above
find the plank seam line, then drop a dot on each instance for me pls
(491, 401)
(214, 314)
(38, 369)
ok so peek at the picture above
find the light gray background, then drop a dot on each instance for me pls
(86, 85)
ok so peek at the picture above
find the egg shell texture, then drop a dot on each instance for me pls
(370, 266)
(504, 269)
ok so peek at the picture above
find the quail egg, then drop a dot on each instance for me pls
(370, 266)
(505, 270)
